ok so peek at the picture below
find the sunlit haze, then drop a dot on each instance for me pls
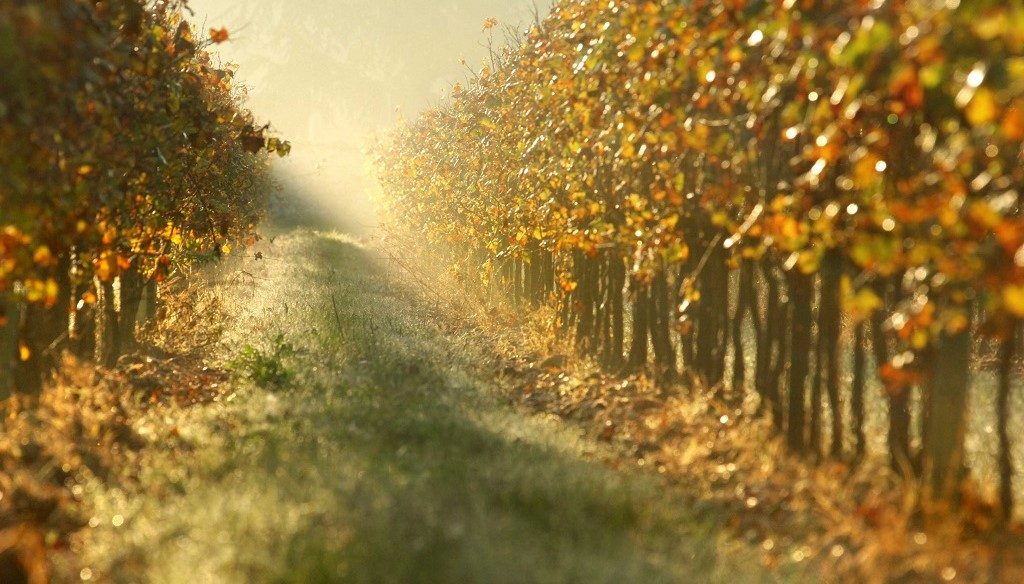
(331, 74)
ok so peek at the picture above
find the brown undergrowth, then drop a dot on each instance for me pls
(854, 523)
(84, 426)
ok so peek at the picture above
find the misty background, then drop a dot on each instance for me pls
(332, 74)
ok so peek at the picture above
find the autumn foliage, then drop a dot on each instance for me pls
(125, 154)
(838, 182)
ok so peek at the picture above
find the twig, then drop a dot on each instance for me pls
(707, 255)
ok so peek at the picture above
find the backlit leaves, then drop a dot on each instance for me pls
(130, 148)
(890, 134)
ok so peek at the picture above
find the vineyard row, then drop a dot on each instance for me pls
(837, 181)
(125, 155)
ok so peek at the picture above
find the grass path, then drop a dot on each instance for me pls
(389, 458)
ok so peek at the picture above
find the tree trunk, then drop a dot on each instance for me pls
(58, 318)
(772, 357)
(1007, 351)
(720, 273)
(659, 321)
(517, 281)
(28, 367)
(830, 329)
(801, 299)
(946, 415)
(761, 345)
(712, 319)
(898, 434)
(638, 346)
(83, 324)
(616, 283)
(151, 298)
(817, 381)
(584, 304)
(10, 310)
(105, 311)
(857, 391)
(743, 300)
(132, 289)
(602, 331)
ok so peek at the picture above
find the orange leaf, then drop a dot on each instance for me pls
(42, 256)
(104, 268)
(1013, 121)
(219, 36)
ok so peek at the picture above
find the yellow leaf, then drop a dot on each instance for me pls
(752, 253)
(810, 261)
(919, 340)
(957, 322)
(983, 213)
(865, 174)
(677, 252)
(52, 292)
(104, 268)
(35, 291)
(992, 25)
(1013, 300)
(982, 109)
(863, 304)
(24, 353)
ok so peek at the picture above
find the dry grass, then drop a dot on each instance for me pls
(82, 428)
(855, 523)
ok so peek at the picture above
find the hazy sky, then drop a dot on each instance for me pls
(330, 74)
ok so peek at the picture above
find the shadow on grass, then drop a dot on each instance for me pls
(389, 460)
(453, 486)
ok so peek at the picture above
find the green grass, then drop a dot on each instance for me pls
(382, 456)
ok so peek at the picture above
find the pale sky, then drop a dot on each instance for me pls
(331, 74)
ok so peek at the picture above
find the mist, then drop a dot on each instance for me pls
(329, 75)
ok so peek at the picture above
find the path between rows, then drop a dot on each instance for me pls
(391, 458)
